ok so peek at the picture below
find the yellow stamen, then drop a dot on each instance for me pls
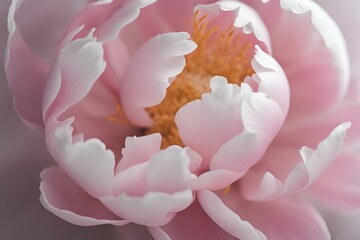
(227, 190)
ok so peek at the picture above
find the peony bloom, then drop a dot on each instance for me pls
(188, 116)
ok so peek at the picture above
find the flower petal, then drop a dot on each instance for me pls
(227, 117)
(61, 196)
(302, 175)
(111, 17)
(183, 227)
(138, 150)
(226, 218)
(153, 209)
(240, 15)
(74, 73)
(88, 163)
(169, 170)
(338, 188)
(313, 54)
(280, 219)
(147, 76)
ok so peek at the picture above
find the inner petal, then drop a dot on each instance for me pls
(220, 52)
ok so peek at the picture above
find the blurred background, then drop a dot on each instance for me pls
(23, 155)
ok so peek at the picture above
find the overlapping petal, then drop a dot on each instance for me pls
(148, 74)
(63, 197)
(266, 186)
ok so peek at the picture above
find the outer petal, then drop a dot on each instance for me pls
(183, 227)
(88, 163)
(25, 64)
(147, 76)
(61, 196)
(153, 209)
(75, 71)
(111, 16)
(281, 219)
(313, 164)
(165, 188)
(313, 54)
(226, 218)
(338, 188)
(345, 14)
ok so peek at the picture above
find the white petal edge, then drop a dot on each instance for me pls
(330, 32)
(314, 162)
(226, 218)
(246, 18)
(148, 75)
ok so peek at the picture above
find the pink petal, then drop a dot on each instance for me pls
(147, 76)
(74, 73)
(226, 218)
(338, 188)
(42, 23)
(227, 117)
(345, 14)
(138, 150)
(240, 15)
(153, 209)
(281, 219)
(88, 163)
(271, 79)
(61, 196)
(164, 182)
(25, 64)
(216, 117)
(262, 118)
(19, 68)
(111, 17)
(169, 170)
(301, 176)
(214, 180)
(313, 54)
(169, 15)
(94, 110)
(183, 227)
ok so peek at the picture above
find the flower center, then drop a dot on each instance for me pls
(219, 53)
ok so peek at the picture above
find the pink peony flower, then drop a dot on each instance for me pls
(221, 98)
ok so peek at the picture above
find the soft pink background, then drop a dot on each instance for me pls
(23, 155)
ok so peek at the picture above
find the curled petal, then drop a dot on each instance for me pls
(75, 155)
(74, 73)
(271, 79)
(111, 17)
(151, 192)
(148, 74)
(61, 196)
(313, 164)
(338, 187)
(138, 150)
(226, 218)
(313, 54)
(239, 15)
(153, 209)
(280, 219)
(230, 117)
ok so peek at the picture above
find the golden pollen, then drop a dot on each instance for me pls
(220, 52)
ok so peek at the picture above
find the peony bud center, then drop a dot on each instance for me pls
(220, 52)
